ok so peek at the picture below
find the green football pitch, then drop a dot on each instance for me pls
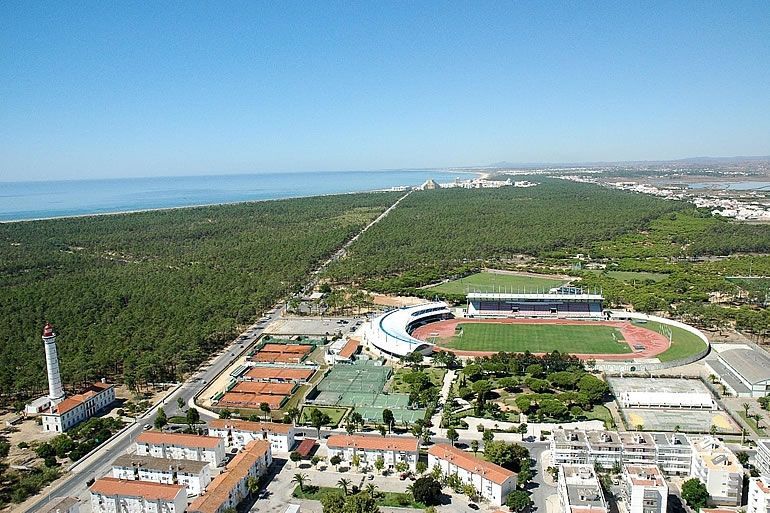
(491, 282)
(538, 338)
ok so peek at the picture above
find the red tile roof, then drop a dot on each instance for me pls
(384, 443)
(467, 461)
(71, 402)
(247, 425)
(349, 349)
(220, 488)
(179, 439)
(149, 490)
(305, 446)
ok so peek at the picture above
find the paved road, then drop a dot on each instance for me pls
(99, 463)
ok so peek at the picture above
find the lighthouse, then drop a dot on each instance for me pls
(55, 388)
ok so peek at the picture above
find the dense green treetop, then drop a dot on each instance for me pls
(147, 296)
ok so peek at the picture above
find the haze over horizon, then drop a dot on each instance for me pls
(109, 91)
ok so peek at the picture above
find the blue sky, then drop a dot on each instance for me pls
(112, 89)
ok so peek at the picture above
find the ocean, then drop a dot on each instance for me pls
(64, 198)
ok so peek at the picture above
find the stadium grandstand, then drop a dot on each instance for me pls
(390, 333)
(561, 302)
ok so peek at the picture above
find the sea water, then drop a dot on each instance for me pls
(36, 200)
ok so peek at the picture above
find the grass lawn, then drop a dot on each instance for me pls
(390, 499)
(683, 343)
(752, 424)
(487, 282)
(335, 414)
(632, 276)
(540, 338)
(436, 376)
(600, 412)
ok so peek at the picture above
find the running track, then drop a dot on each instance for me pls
(654, 343)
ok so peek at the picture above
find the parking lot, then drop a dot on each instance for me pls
(313, 326)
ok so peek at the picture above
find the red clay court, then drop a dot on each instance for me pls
(279, 374)
(281, 353)
(636, 337)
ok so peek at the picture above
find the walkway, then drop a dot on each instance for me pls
(449, 378)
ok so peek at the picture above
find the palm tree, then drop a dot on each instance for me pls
(293, 414)
(371, 489)
(301, 480)
(746, 407)
(252, 485)
(343, 484)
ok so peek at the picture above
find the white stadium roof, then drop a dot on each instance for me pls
(393, 326)
(528, 296)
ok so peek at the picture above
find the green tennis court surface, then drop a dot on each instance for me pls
(538, 338)
(362, 385)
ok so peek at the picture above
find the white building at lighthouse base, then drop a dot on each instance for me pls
(77, 408)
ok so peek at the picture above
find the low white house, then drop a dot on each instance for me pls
(231, 486)
(759, 495)
(644, 489)
(579, 490)
(341, 351)
(178, 446)
(111, 495)
(493, 482)
(194, 475)
(392, 449)
(238, 433)
(718, 468)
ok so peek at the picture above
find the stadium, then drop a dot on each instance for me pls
(391, 333)
(566, 319)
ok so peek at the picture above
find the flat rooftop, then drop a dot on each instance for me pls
(149, 462)
(752, 365)
(583, 488)
(664, 385)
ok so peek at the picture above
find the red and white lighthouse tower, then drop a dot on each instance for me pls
(55, 388)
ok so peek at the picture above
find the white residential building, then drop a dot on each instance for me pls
(78, 408)
(644, 489)
(392, 449)
(672, 453)
(718, 468)
(194, 475)
(762, 457)
(238, 433)
(579, 490)
(111, 495)
(178, 446)
(230, 487)
(493, 482)
(61, 505)
(759, 495)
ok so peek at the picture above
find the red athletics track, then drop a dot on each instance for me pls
(654, 343)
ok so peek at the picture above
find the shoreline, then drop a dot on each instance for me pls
(480, 175)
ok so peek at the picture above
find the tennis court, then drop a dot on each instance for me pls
(361, 386)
